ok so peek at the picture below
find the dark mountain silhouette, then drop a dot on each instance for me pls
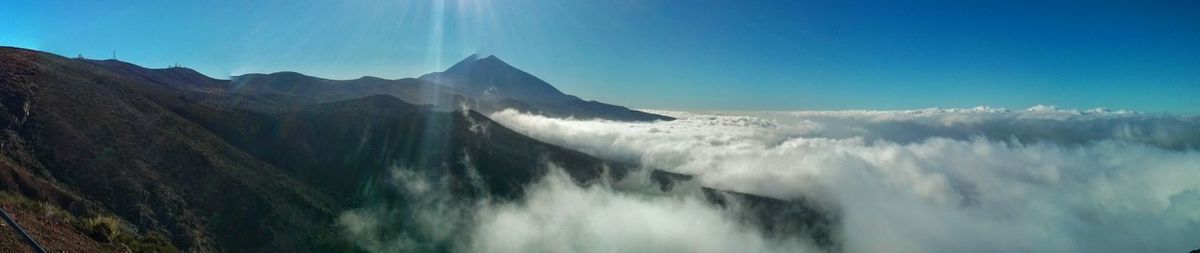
(482, 84)
(105, 138)
(491, 77)
(101, 136)
(335, 146)
(170, 158)
(804, 219)
(168, 76)
(291, 90)
(497, 84)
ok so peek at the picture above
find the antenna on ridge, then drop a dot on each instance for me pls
(114, 54)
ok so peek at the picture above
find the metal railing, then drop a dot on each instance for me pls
(28, 239)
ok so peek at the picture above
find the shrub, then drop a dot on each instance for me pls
(108, 229)
(104, 228)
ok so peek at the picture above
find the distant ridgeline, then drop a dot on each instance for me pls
(482, 84)
(129, 158)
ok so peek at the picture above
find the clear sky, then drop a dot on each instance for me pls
(704, 55)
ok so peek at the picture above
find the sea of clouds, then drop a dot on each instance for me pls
(934, 180)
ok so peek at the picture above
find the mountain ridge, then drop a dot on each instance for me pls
(169, 157)
(486, 84)
(125, 143)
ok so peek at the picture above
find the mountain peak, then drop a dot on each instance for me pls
(470, 58)
(491, 76)
(474, 61)
(493, 60)
(492, 79)
(465, 64)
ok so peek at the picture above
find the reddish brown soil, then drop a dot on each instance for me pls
(54, 234)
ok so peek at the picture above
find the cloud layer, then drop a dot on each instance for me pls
(562, 217)
(556, 215)
(933, 180)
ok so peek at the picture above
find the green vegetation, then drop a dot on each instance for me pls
(34, 206)
(106, 229)
(102, 228)
(111, 229)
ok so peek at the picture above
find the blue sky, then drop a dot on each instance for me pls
(702, 55)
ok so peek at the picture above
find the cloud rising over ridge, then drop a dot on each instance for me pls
(936, 180)
(557, 215)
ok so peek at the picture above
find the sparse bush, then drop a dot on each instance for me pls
(108, 229)
(21, 202)
(103, 228)
(33, 206)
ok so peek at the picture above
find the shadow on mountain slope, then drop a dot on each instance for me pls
(106, 137)
(173, 152)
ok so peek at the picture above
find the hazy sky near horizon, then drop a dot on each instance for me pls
(690, 55)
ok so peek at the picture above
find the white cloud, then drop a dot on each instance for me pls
(933, 180)
(556, 215)
(559, 216)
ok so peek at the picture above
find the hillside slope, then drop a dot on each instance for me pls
(170, 152)
(157, 149)
(96, 133)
